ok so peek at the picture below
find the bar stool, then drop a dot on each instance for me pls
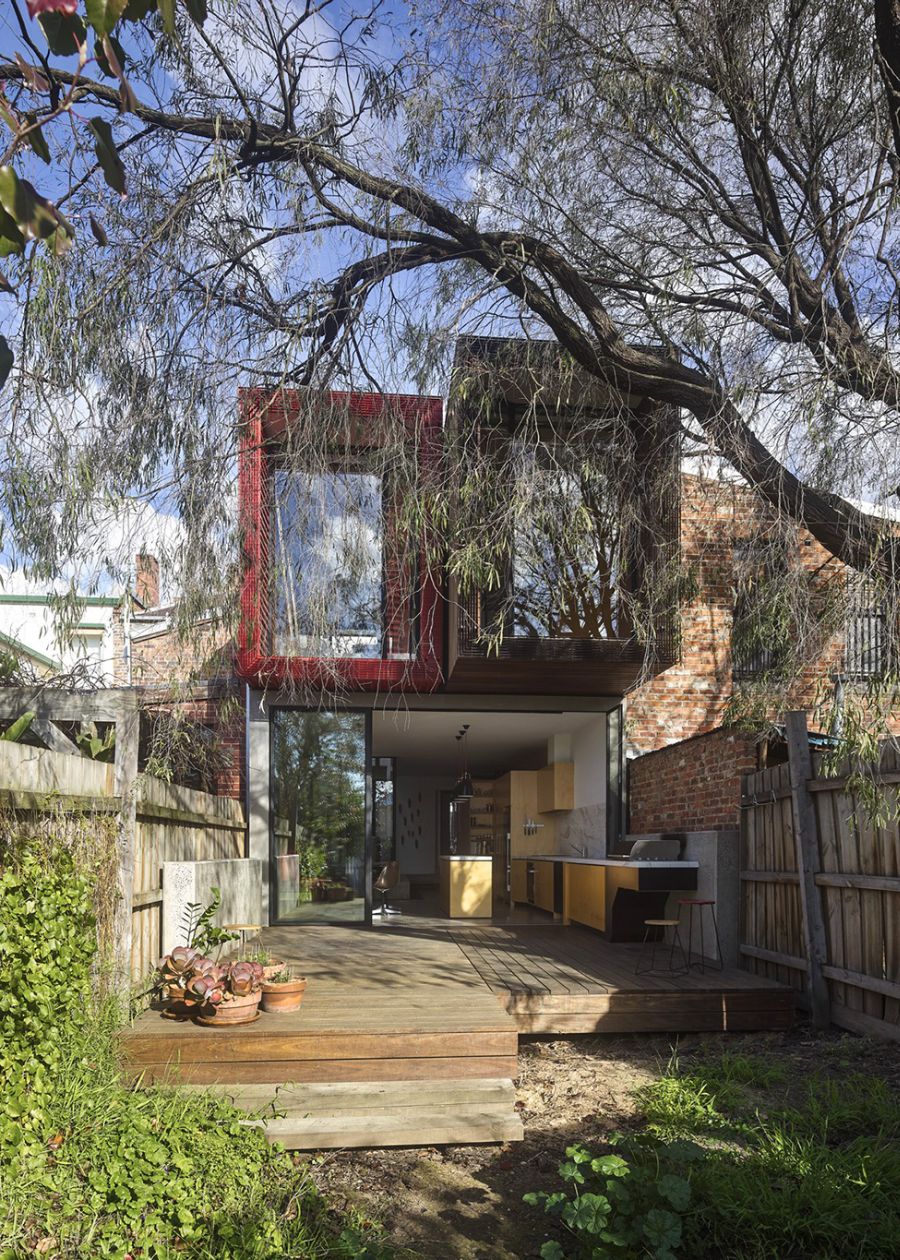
(701, 904)
(654, 943)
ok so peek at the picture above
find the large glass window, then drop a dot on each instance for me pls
(344, 574)
(319, 815)
(565, 562)
(327, 566)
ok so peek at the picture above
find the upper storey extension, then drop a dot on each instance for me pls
(523, 541)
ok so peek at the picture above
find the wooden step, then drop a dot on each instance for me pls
(384, 1113)
(333, 1096)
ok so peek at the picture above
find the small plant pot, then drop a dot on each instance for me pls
(174, 1005)
(234, 1011)
(272, 969)
(279, 999)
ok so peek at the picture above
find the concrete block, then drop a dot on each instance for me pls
(238, 879)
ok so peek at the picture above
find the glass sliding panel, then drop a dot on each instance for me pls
(319, 815)
(384, 846)
(327, 566)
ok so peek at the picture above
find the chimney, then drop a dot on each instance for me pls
(146, 571)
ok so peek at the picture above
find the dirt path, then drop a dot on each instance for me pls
(465, 1202)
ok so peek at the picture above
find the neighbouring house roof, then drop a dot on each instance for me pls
(10, 641)
(91, 601)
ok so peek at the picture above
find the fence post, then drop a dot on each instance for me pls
(806, 843)
(126, 767)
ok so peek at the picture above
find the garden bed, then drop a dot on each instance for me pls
(466, 1202)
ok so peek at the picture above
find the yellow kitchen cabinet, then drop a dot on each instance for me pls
(543, 885)
(466, 887)
(556, 787)
(584, 895)
(518, 879)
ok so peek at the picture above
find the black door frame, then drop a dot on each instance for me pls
(274, 921)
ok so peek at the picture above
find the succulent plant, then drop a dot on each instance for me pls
(206, 989)
(178, 963)
(188, 978)
(244, 978)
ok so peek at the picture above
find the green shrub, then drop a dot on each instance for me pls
(618, 1207)
(90, 1168)
(47, 942)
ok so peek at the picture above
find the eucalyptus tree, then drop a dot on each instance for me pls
(695, 199)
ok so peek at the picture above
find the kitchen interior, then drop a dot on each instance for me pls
(505, 816)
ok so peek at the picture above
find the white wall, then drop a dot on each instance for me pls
(32, 624)
(589, 755)
(418, 820)
(585, 825)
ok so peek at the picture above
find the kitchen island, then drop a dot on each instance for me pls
(611, 895)
(466, 885)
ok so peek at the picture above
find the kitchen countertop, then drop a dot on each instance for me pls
(467, 857)
(596, 861)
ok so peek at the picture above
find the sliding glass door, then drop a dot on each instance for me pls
(321, 810)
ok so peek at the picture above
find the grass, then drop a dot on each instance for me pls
(733, 1155)
(783, 1170)
(106, 1171)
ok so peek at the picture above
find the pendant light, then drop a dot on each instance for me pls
(464, 789)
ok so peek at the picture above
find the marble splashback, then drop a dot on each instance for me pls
(584, 827)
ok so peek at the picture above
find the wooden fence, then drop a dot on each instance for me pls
(157, 821)
(820, 886)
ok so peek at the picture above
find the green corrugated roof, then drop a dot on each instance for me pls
(18, 646)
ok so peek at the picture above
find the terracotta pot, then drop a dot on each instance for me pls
(272, 969)
(174, 1004)
(236, 1010)
(278, 999)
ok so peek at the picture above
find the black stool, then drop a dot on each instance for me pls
(703, 964)
(655, 943)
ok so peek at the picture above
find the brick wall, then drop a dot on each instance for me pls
(220, 710)
(158, 659)
(694, 785)
(691, 697)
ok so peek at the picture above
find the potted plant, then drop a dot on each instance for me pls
(194, 987)
(230, 994)
(269, 963)
(282, 992)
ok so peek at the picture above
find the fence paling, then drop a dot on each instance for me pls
(852, 887)
(158, 822)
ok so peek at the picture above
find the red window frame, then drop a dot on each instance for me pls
(265, 416)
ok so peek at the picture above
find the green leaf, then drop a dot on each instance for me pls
(137, 10)
(610, 1166)
(103, 60)
(107, 154)
(33, 214)
(675, 1190)
(104, 14)
(37, 139)
(552, 1251)
(11, 239)
(167, 13)
(64, 33)
(98, 231)
(661, 1229)
(588, 1214)
(6, 362)
(197, 10)
(18, 728)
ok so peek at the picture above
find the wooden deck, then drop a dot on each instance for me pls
(570, 980)
(380, 1006)
(408, 1034)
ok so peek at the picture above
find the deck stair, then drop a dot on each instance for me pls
(398, 1041)
(344, 1114)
